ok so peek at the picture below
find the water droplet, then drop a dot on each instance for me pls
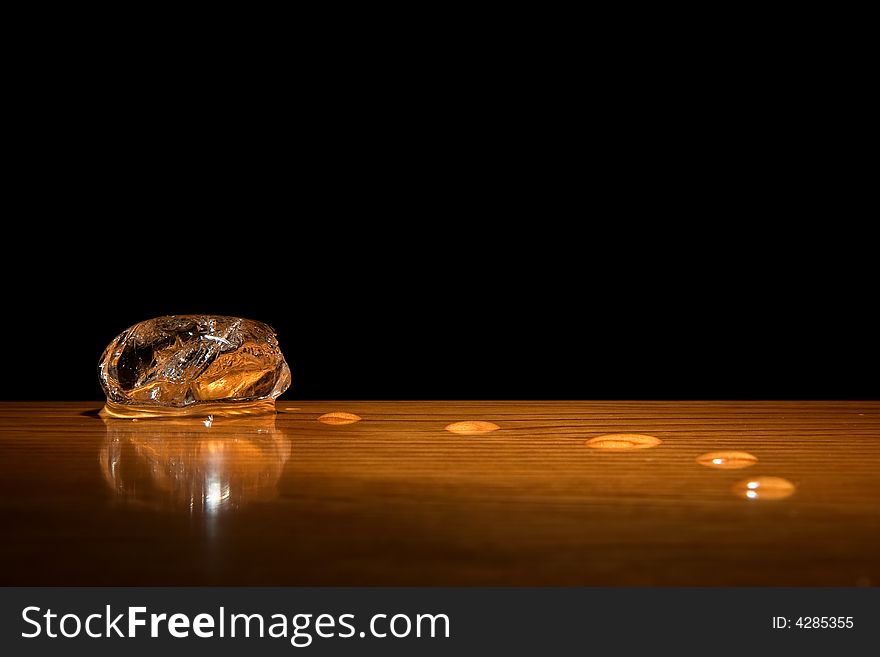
(472, 427)
(731, 460)
(623, 442)
(764, 488)
(338, 417)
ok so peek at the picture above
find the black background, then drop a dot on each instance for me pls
(476, 243)
(441, 309)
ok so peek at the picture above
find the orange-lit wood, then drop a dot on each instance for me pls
(472, 427)
(623, 442)
(339, 417)
(727, 460)
(396, 499)
(765, 488)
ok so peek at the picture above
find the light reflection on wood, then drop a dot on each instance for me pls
(186, 464)
(623, 442)
(764, 488)
(396, 500)
(727, 460)
(472, 427)
(339, 417)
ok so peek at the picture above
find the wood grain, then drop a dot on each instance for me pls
(396, 499)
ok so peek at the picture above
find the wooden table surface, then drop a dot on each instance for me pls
(396, 499)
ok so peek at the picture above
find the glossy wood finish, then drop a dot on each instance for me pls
(396, 499)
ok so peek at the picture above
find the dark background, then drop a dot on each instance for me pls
(439, 309)
(415, 235)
